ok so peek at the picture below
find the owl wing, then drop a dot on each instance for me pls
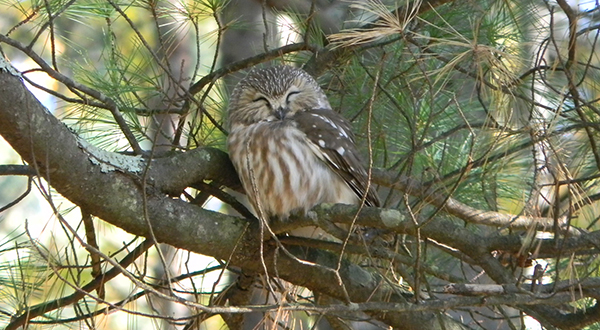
(332, 135)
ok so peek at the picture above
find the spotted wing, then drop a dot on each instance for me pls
(333, 137)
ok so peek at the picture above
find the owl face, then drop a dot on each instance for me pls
(274, 94)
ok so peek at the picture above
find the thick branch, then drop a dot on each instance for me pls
(118, 196)
(462, 211)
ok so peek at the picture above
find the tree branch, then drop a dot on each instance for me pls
(110, 187)
(114, 194)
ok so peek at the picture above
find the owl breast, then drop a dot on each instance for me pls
(279, 170)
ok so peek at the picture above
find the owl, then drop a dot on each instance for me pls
(290, 149)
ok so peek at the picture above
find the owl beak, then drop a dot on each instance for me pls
(281, 112)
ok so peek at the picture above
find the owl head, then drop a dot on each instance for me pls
(274, 93)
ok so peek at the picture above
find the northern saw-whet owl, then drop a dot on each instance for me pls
(290, 149)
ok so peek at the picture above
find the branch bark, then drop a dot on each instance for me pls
(111, 187)
(118, 196)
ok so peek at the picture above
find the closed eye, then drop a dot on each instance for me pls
(260, 98)
(290, 94)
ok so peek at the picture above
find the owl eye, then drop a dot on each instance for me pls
(260, 98)
(288, 99)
